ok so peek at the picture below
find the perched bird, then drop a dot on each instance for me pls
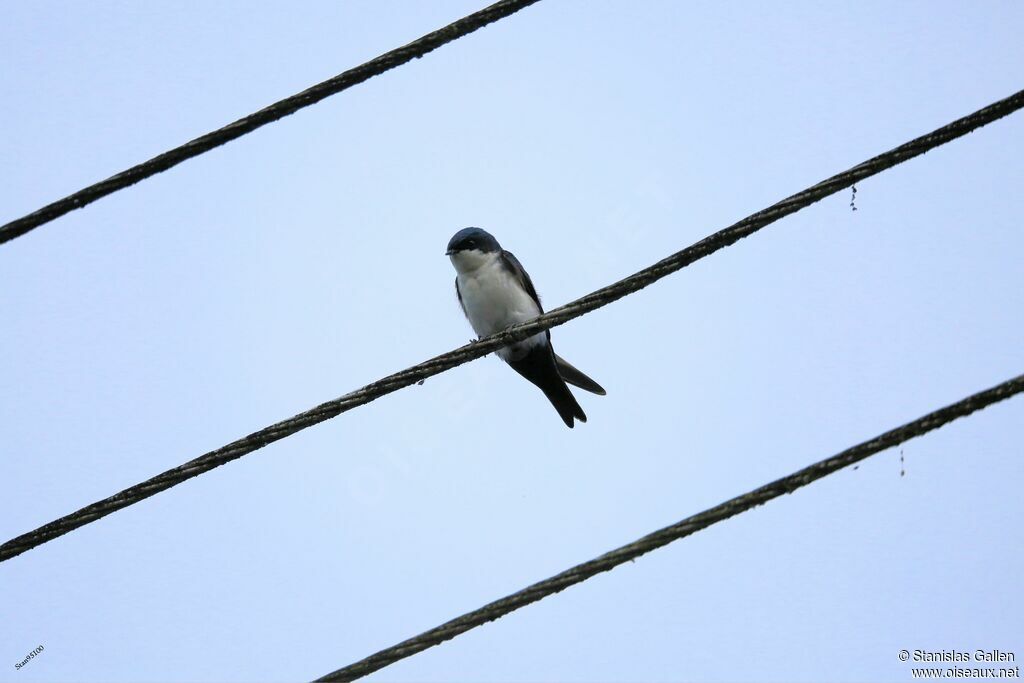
(495, 293)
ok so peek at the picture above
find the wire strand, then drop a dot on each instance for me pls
(686, 527)
(278, 110)
(553, 318)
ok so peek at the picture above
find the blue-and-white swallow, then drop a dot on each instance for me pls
(495, 292)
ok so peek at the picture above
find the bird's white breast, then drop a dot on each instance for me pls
(493, 299)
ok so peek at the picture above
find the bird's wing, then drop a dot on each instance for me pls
(513, 265)
(576, 378)
(566, 371)
(458, 295)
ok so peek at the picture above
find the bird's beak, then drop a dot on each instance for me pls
(449, 252)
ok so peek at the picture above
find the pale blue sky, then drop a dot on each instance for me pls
(307, 259)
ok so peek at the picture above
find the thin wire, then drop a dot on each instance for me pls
(553, 318)
(686, 527)
(278, 110)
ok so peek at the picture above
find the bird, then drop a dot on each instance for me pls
(495, 292)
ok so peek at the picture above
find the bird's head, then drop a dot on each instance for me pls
(469, 248)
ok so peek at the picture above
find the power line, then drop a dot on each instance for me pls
(553, 318)
(686, 527)
(278, 110)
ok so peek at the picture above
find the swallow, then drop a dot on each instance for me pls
(495, 292)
